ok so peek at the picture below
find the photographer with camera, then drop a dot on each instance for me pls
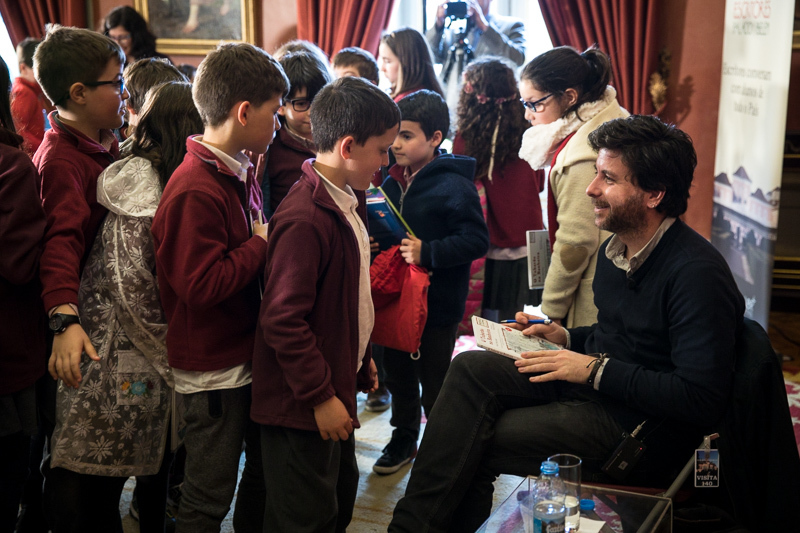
(482, 34)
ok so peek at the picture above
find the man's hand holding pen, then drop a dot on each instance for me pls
(550, 365)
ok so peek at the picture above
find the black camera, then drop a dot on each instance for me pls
(457, 10)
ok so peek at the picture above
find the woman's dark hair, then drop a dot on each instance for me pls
(564, 68)
(167, 118)
(8, 134)
(143, 42)
(490, 93)
(416, 61)
(659, 156)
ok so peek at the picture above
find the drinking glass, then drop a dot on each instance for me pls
(569, 470)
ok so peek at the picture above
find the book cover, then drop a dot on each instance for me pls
(507, 341)
(385, 224)
(538, 257)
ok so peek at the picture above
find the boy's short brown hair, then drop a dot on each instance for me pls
(351, 106)
(236, 72)
(360, 59)
(25, 50)
(145, 74)
(72, 55)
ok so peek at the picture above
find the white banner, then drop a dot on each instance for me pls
(751, 130)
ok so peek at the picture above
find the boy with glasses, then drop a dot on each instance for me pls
(293, 144)
(81, 72)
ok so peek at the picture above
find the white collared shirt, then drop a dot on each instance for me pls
(346, 201)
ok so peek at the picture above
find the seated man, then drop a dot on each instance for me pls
(661, 353)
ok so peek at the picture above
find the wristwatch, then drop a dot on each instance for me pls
(60, 321)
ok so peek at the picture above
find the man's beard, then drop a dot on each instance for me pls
(626, 218)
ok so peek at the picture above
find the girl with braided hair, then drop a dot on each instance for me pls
(491, 123)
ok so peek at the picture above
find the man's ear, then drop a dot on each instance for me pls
(346, 147)
(242, 110)
(655, 197)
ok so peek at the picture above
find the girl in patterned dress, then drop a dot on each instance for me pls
(116, 424)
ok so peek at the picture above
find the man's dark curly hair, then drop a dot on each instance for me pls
(659, 156)
(493, 79)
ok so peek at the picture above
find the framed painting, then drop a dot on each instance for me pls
(194, 27)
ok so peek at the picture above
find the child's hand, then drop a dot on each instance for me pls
(373, 376)
(333, 420)
(411, 248)
(260, 229)
(65, 360)
(373, 246)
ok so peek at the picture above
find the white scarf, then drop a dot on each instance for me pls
(539, 142)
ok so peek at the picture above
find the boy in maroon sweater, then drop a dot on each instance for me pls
(311, 353)
(210, 249)
(294, 143)
(80, 71)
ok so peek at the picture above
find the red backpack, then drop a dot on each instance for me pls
(400, 297)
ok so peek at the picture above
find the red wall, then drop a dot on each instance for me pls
(692, 30)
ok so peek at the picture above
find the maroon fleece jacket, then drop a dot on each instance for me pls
(284, 165)
(69, 163)
(22, 223)
(306, 348)
(512, 199)
(207, 262)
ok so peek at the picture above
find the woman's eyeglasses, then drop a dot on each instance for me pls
(535, 106)
(120, 38)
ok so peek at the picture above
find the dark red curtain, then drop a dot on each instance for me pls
(26, 18)
(624, 29)
(336, 24)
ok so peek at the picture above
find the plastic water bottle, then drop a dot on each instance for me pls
(549, 493)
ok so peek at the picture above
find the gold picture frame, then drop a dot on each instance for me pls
(218, 20)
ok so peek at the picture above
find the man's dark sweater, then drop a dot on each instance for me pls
(670, 332)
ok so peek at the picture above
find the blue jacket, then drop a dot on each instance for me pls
(442, 208)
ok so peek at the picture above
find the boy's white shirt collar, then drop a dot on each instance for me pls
(238, 165)
(345, 199)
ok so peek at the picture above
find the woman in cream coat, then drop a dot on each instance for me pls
(566, 97)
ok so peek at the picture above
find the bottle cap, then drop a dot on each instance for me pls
(587, 505)
(549, 467)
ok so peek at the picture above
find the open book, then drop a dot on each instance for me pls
(505, 340)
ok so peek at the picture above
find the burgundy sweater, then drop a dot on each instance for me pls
(512, 198)
(207, 263)
(22, 223)
(69, 163)
(307, 338)
(284, 164)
